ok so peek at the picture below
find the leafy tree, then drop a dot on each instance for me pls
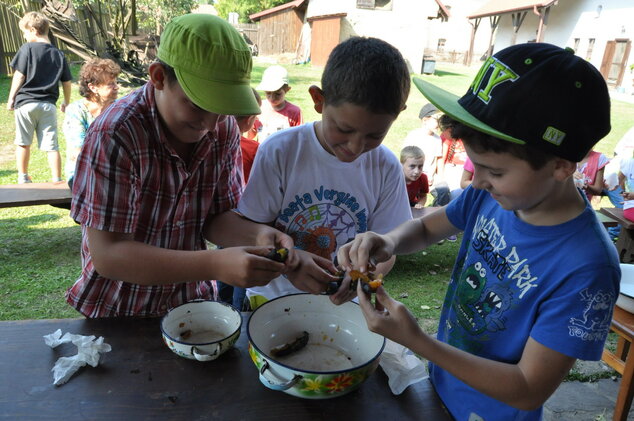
(244, 8)
(156, 13)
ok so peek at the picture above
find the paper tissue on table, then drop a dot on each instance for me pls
(401, 366)
(88, 350)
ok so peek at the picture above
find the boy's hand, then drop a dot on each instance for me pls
(356, 254)
(388, 317)
(63, 106)
(344, 293)
(248, 266)
(10, 103)
(273, 238)
(312, 273)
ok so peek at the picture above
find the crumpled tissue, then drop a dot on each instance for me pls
(88, 350)
(401, 366)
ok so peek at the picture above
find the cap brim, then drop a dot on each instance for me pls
(218, 97)
(269, 87)
(448, 104)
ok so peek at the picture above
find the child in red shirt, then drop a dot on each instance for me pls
(248, 125)
(413, 159)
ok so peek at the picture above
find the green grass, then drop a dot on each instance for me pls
(39, 245)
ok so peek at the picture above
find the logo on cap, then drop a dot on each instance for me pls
(553, 135)
(501, 73)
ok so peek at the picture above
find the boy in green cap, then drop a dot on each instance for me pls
(157, 174)
(536, 277)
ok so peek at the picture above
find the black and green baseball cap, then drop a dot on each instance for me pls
(535, 94)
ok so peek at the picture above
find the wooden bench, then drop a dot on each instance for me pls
(625, 243)
(30, 194)
(622, 361)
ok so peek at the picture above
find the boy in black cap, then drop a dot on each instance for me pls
(536, 277)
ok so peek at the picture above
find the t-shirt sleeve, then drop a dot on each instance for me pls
(587, 308)
(20, 61)
(74, 126)
(263, 196)
(468, 166)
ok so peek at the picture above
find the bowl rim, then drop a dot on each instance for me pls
(238, 329)
(296, 369)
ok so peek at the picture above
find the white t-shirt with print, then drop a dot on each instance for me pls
(318, 200)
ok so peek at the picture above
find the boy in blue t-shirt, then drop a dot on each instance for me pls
(536, 277)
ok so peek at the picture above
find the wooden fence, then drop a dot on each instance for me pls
(79, 31)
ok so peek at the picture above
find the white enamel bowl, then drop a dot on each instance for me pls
(626, 297)
(340, 355)
(201, 330)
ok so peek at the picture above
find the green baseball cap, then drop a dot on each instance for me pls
(212, 63)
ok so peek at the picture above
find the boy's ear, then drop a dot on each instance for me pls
(318, 97)
(564, 169)
(156, 72)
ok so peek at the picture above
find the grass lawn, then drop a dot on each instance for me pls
(39, 245)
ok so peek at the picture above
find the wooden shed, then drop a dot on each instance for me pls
(326, 34)
(280, 27)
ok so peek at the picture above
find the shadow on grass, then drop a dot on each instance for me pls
(7, 173)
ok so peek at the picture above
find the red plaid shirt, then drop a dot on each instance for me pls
(130, 180)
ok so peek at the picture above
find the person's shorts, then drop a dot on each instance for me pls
(39, 118)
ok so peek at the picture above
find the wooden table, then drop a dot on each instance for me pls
(622, 361)
(30, 194)
(625, 243)
(141, 379)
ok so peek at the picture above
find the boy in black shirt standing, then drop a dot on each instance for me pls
(38, 68)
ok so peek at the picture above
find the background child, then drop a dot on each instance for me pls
(413, 160)
(98, 88)
(467, 174)
(589, 174)
(626, 181)
(158, 175)
(248, 144)
(38, 67)
(324, 182)
(277, 112)
(451, 163)
(428, 140)
(536, 277)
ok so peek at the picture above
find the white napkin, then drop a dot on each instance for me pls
(401, 366)
(88, 350)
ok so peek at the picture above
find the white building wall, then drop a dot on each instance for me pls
(457, 30)
(407, 26)
(582, 19)
(402, 26)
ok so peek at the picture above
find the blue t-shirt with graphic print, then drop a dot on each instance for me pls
(513, 280)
